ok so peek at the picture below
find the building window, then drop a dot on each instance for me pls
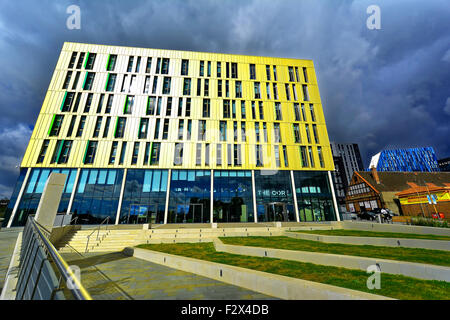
(77, 102)
(259, 155)
(100, 103)
(257, 90)
(253, 111)
(297, 137)
(229, 154)
(188, 107)
(304, 157)
(202, 130)
(233, 109)
(56, 125)
(252, 72)
(278, 115)
(122, 152)
(305, 92)
(277, 156)
(130, 64)
(227, 69)
(294, 90)
(155, 84)
(90, 61)
(199, 87)
(120, 128)
(169, 107)
(89, 81)
(109, 103)
(223, 131)
(319, 151)
(143, 128)
(297, 112)
(243, 134)
(187, 86)
(156, 150)
(208, 72)
(165, 66)
(316, 136)
(277, 132)
(73, 58)
(166, 85)
(237, 155)
(305, 74)
(202, 68)
(311, 156)
(265, 131)
(165, 129)
(134, 158)
(158, 106)
(238, 89)
(112, 155)
(71, 126)
(189, 130)
(80, 60)
(296, 74)
(198, 155)
(110, 84)
(147, 84)
(81, 126)
(303, 112)
(43, 150)
(178, 156)
(90, 152)
(156, 133)
(261, 110)
(180, 129)
(308, 136)
(98, 125)
(243, 109)
(313, 115)
(180, 107)
(219, 70)
(219, 88)
(206, 108)
(288, 94)
(268, 90)
(219, 155)
(275, 91)
(227, 88)
(105, 131)
(234, 70)
(138, 65)
(257, 132)
(67, 80)
(111, 64)
(285, 156)
(226, 109)
(129, 103)
(291, 74)
(235, 131)
(275, 73)
(206, 88)
(207, 154)
(268, 72)
(148, 67)
(87, 106)
(184, 67)
(75, 82)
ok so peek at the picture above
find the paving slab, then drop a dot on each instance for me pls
(8, 238)
(114, 276)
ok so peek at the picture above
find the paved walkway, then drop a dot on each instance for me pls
(119, 277)
(8, 238)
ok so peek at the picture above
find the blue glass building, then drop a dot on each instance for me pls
(413, 159)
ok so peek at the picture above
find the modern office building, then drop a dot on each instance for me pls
(347, 159)
(444, 164)
(413, 159)
(165, 136)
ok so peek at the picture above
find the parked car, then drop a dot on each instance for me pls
(367, 215)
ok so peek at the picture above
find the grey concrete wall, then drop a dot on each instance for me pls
(266, 283)
(385, 227)
(409, 269)
(374, 241)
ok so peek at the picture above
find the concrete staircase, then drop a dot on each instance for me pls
(117, 239)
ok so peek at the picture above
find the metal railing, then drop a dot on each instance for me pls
(42, 270)
(106, 220)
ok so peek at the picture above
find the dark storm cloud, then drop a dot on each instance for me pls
(379, 88)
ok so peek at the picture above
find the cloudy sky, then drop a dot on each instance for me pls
(380, 88)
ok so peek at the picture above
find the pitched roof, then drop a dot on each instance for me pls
(398, 181)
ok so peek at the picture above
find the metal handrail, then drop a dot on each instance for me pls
(98, 232)
(78, 291)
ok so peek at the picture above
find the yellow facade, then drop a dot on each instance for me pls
(56, 94)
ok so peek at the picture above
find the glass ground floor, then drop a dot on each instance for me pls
(133, 196)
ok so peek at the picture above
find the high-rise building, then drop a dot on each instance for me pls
(347, 159)
(165, 136)
(444, 164)
(413, 159)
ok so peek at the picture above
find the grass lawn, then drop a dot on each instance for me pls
(437, 257)
(394, 286)
(359, 233)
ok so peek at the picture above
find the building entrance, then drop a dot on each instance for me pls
(276, 211)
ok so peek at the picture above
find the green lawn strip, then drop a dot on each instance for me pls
(436, 257)
(359, 233)
(395, 286)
